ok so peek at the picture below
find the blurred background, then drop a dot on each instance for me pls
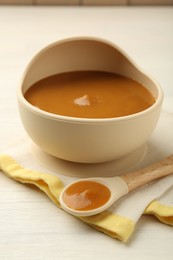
(88, 2)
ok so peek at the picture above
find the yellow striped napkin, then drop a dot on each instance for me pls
(119, 221)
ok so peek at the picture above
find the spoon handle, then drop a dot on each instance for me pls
(143, 176)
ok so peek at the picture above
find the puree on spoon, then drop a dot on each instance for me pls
(86, 195)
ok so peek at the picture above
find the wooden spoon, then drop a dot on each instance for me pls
(118, 186)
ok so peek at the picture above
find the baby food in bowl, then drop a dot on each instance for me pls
(89, 94)
(84, 100)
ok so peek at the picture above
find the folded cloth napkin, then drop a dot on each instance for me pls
(119, 221)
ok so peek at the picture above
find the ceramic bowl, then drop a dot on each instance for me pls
(86, 140)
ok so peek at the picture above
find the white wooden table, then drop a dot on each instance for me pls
(31, 227)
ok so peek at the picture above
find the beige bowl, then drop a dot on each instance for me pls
(80, 139)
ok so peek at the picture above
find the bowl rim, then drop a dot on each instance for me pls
(52, 116)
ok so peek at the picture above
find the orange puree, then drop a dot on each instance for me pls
(86, 195)
(89, 94)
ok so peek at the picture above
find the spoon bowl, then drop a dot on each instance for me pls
(116, 186)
